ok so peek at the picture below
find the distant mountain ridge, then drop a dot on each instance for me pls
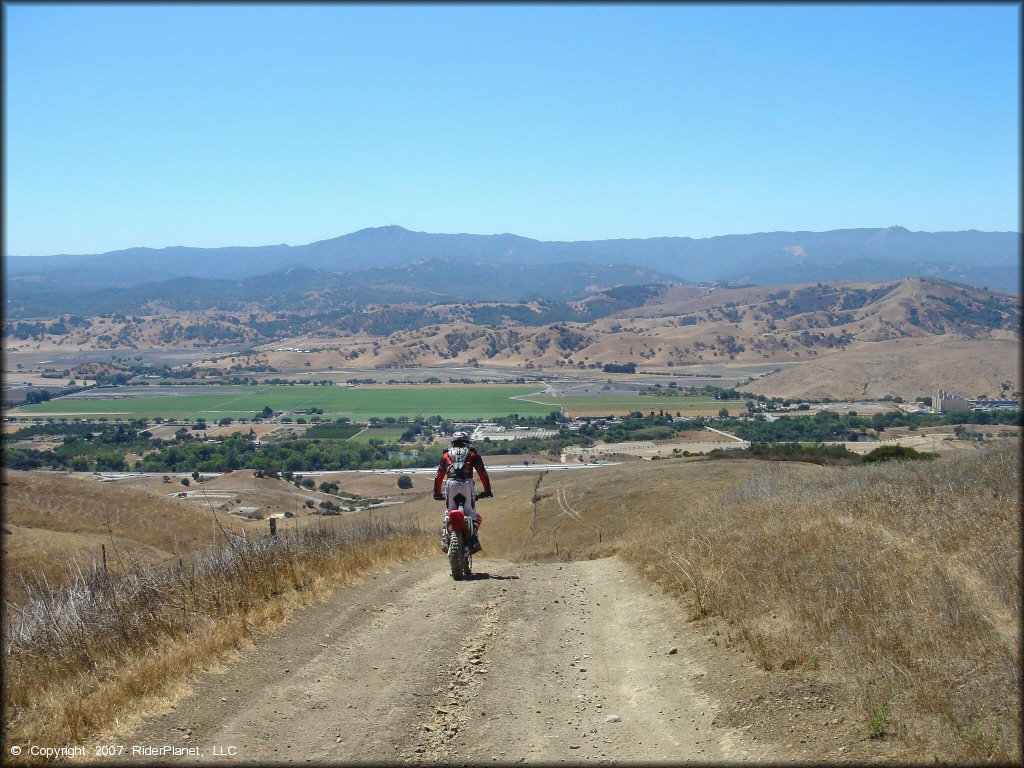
(303, 288)
(990, 259)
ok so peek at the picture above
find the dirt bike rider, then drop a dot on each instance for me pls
(457, 465)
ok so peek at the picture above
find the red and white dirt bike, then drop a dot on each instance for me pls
(459, 530)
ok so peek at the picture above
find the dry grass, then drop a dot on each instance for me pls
(905, 367)
(902, 580)
(81, 659)
(54, 521)
(583, 514)
(586, 513)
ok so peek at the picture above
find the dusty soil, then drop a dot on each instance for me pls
(536, 662)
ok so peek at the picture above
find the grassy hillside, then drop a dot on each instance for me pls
(901, 582)
(53, 522)
(903, 367)
(88, 644)
(584, 514)
(55, 525)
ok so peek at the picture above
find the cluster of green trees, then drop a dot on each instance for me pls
(824, 426)
(552, 420)
(553, 445)
(293, 455)
(103, 446)
(822, 454)
(36, 329)
(812, 454)
(637, 426)
(619, 368)
(99, 447)
(986, 311)
(831, 425)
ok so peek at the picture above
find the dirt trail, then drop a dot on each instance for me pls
(534, 662)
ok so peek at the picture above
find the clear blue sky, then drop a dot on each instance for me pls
(211, 125)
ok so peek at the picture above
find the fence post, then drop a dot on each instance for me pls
(273, 526)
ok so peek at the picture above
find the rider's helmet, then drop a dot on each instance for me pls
(460, 438)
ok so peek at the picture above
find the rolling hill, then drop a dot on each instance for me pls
(850, 339)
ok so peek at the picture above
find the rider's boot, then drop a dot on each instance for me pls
(474, 544)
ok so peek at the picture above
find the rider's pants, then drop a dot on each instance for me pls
(453, 488)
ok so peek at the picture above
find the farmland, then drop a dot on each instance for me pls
(332, 431)
(385, 434)
(623, 404)
(357, 403)
(471, 401)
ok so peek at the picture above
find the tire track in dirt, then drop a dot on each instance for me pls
(562, 496)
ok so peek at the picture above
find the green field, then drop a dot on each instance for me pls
(358, 403)
(332, 431)
(624, 404)
(470, 401)
(387, 434)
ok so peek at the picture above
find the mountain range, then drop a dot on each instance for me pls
(392, 264)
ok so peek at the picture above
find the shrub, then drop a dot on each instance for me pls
(898, 452)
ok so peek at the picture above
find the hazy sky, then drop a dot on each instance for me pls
(212, 125)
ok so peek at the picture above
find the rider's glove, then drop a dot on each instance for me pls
(486, 495)
(439, 497)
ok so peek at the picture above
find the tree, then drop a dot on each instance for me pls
(108, 461)
(404, 482)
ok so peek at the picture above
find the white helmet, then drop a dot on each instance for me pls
(460, 438)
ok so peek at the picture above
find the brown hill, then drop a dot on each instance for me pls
(690, 324)
(908, 368)
(953, 335)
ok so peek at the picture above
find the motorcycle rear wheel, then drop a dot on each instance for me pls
(455, 557)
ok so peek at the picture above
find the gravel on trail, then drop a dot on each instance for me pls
(536, 662)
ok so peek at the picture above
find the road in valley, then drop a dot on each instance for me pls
(537, 662)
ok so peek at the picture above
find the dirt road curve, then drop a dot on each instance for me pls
(535, 662)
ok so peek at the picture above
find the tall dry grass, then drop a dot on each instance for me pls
(53, 520)
(902, 580)
(81, 658)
